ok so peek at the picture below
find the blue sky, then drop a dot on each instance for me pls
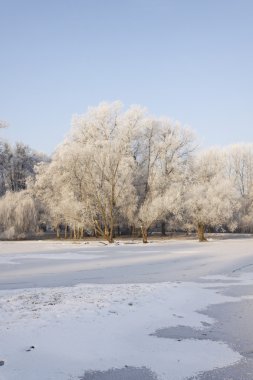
(191, 60)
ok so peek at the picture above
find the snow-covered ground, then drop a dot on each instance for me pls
(59, 333)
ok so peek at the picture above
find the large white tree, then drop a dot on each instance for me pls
(95, 167)
(103, 139)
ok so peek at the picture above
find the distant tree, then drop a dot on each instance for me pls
(209, 198)
(17, 165)
(18, 214)
(6, 156)
(19, 211)
(240, 172)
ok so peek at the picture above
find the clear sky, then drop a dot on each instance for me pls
(191, 60)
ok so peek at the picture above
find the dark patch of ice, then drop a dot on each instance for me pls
(125, 373)
(181, 332)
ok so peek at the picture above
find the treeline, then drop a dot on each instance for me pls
(127, 169)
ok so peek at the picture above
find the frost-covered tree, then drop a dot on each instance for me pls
(103, 137)
(56, 192)
(98, 171)
(22, 166)
(46, 188)
(19, 211)
(5, 166)
(240, 172)
(18, 214)
(162, 151)
(210, 198)
(16, 166)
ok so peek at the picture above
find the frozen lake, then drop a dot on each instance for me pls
(43, 264)
(167, 310)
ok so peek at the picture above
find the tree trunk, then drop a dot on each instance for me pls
(163, 228)
(66, 231)
(201, 232)
(144, 232)
(111, 219)
(108, 235)
(111, 235)
(58, 233)
(110, 239)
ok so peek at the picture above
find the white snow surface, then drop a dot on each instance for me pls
(98, 327)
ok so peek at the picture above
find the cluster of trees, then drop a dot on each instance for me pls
(17, 164)
(127, 168)
(19, 208)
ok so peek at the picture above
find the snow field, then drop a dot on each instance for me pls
(98, 327)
